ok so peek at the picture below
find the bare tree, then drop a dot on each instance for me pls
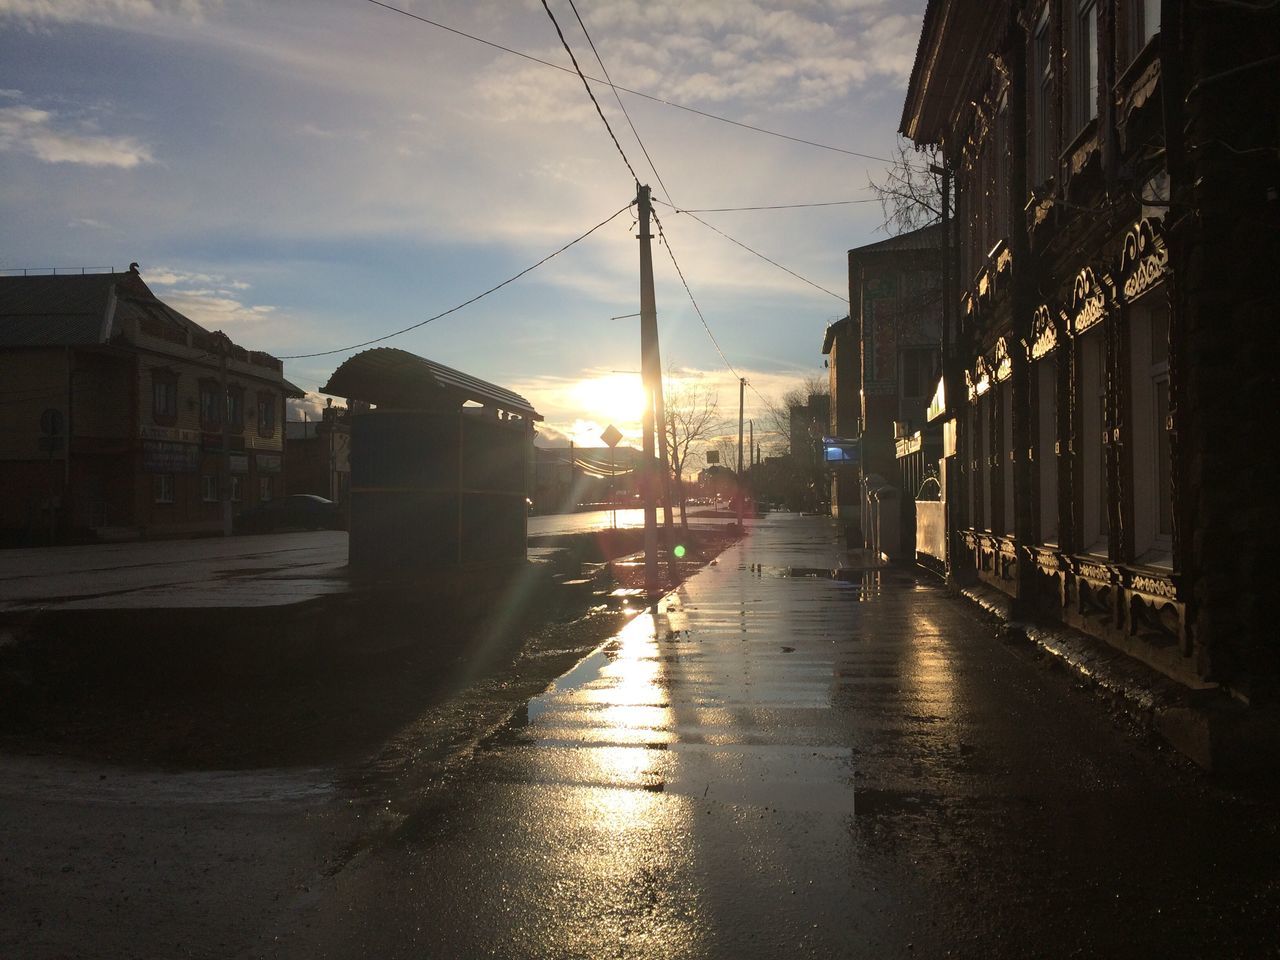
(692, 414)
(777, 417)
(910, 192)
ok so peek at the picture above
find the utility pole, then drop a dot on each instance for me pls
(742, 391)
(648, 354)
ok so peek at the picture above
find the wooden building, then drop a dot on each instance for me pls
(112, 413)
(1112, 313)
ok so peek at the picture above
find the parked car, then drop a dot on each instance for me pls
(300, 511)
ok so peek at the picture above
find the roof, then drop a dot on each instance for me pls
(85, 309)
(59, 310)
(833, 330)
(955, 38)
(396, 378)
(926, 238)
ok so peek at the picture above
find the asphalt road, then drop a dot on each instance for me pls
(776, 763)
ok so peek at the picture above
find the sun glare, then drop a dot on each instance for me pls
(616, 398)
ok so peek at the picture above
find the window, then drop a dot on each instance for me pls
(211, 406)
(917, 376)
(1005, 454)
(1141, 23)
(985, 438)
(162, 487)
(264, 488)
(1094, 521)
(1046, 373)
(1084, 63)
(164, 397)
(209, 488)
(266, 415)
(235, 407)
(237, 485)
(978, 460)
(1149, 415)
(1041, 101)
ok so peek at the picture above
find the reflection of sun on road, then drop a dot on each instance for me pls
(603, 737)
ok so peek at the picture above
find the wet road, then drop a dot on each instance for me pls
(778, 763)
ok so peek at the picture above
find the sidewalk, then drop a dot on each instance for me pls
(777, 761)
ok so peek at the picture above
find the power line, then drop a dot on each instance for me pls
(774, 206)
(634, 93)
(763, 257)
(662, 237)
(478, 296)
(605, 120)
(621, 105)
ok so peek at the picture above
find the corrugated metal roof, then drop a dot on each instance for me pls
(396, 378)
(55, 310)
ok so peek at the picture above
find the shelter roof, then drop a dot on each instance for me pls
(396, 378)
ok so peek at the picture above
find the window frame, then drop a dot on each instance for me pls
(164, 489)
(164, 383)
(212, 406)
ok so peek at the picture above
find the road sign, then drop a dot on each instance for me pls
(611, 435)
(713, 458)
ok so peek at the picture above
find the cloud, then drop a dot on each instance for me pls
(99, 11)
(47, 137)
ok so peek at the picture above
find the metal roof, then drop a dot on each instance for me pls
(56, 310)
(396, 378)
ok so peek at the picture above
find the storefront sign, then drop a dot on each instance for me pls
(268, 463)
(238, 462)
(172, 434)
(165, 456)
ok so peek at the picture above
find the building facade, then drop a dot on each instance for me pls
(115, 408)
(1115, 172)
(883, 361)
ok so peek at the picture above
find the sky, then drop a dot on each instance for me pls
(309, 174)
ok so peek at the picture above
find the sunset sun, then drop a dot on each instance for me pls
(616, 398)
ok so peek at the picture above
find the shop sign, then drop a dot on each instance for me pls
(172, 434)
(166, 456)
(268, 463)
(238, 463)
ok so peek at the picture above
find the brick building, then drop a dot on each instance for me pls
(112, 411)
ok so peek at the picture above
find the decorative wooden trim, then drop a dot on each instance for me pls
(978, 380)
(1152, 585)
(1044, 332)
(1001, 362)
(1091, 299)
(1144, 260)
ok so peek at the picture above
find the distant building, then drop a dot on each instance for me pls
(112, 412)
(808, 423)
(318, 455)
(884, 360)
(565, 477)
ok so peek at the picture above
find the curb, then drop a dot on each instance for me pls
(1209, 727)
